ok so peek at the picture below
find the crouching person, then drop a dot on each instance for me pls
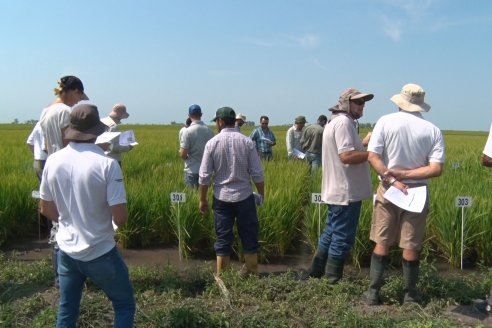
(231, 158)
(83, 191)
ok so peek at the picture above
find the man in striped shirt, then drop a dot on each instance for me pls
(231, 158)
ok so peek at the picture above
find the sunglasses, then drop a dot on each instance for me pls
(359, 102)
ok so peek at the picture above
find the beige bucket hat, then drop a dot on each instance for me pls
(411, 99)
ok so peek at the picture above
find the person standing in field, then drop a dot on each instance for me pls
(54, 120)
(293, 136)
(183, 129)
(83, 191)
(345, 183)
(240, 120)
(405, 151)
(192, 143)
(233, 162)
(486, 160)
(112, 121)
(264, 139)
(36, 144)
(311, 142)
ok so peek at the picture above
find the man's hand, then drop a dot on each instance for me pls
(203, 206)
(258, 199)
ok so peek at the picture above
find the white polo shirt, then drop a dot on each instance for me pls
(83, 183)
(405, 140)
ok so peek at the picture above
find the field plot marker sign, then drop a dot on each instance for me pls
(456, 165)
(178, 197)
(463, 202)
(316, 199)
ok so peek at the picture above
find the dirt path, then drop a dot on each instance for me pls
(34, 250)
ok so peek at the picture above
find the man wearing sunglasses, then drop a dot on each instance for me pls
(345, 183)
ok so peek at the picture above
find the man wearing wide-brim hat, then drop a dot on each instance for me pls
(345, 183)
(112, 122)
(405, 150)
(83, 191)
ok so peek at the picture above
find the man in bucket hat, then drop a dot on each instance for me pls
(112, 121)
(293, 136)
(231, 159)
(405, 150)
(345, 183)
(83, 191)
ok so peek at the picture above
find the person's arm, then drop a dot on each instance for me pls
(486, 160)
(366, 139)
(381, 169)
(353, 156)
(431, 170)
(203, 205)
(120, 214)
(260, 187)
(48, 209)
(183, 153)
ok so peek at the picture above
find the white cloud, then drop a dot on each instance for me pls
(392, 29)
(308, 40)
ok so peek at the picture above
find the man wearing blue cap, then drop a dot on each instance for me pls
(192, 143)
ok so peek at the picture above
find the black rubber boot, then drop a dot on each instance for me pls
(376, 276)
(318, 265)
(410, 279)
(334, 269)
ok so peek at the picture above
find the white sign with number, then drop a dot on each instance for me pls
(316, 198)
(463, 201)
(456, 165)
(178, 197)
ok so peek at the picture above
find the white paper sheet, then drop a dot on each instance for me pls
(298, 153)
(488, 146)
(106, 137)
(268, 141)
(127, 138)
(414, 201)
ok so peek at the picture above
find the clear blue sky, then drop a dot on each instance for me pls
(281, 58)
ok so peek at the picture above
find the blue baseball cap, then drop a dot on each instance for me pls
(194, 110)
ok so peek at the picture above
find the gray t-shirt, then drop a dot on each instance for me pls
(343, 183)
(193, 140)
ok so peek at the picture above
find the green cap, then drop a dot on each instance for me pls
(300, 119)
(224, 112)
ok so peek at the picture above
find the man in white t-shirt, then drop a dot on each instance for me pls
(36, 143)
(83, 191)
(405, 151)
(345, 183)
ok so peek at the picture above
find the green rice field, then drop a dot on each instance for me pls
(289, 222)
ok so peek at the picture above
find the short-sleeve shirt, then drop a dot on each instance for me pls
(36, 140)
(488, 146)
(193, 139)
(404, 140)
(83, 183)
(53, 119)
(261, 138)
(343, 183)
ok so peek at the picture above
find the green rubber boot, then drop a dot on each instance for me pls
(376, 276)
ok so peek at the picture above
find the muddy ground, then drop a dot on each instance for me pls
(34, 250)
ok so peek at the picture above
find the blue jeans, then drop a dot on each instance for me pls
(314, 160)
(244, 213)
(109, 272)
(191, 179)
(341, 226)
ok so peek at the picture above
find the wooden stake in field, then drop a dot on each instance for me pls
(463, 202)
(178, 197)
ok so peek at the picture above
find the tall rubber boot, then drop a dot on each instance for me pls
(223, 263)
(376, 276)
(410, 278)
(251, 264)
(334, 269)
(318, 265)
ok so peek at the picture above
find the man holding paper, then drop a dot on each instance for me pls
(112, 121)
(405, 150)
(486, 159)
